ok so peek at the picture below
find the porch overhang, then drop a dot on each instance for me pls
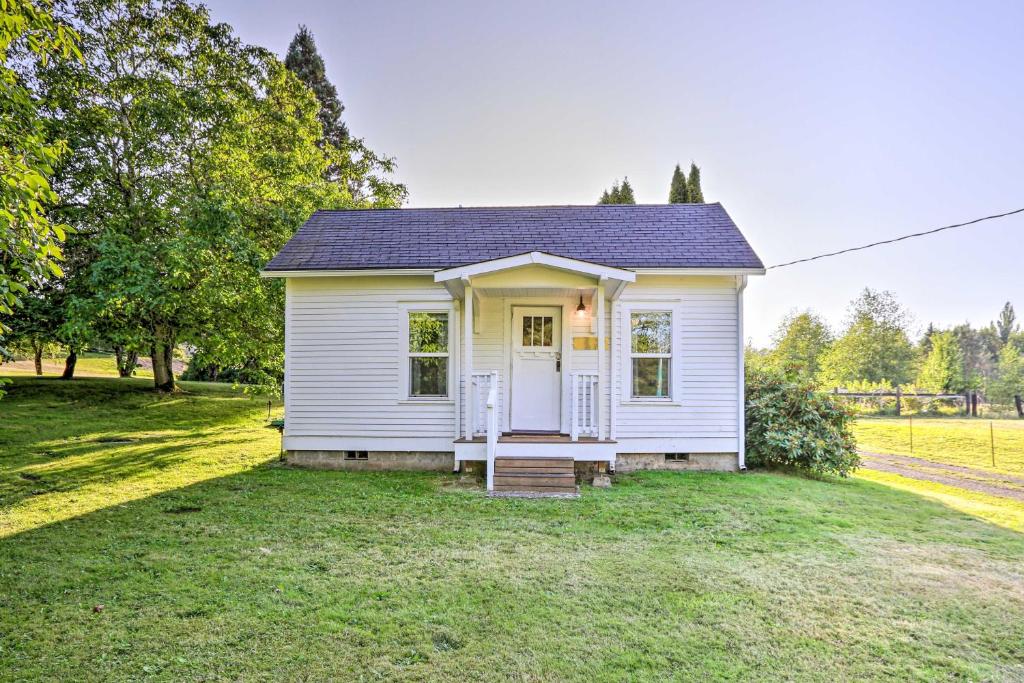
(455, 279)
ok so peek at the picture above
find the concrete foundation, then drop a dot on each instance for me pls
(696, 462)
(444, 462)
(375, 460)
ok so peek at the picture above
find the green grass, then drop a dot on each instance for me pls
(214, 562)
(957, 441)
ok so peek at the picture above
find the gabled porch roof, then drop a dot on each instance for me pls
(455, 279)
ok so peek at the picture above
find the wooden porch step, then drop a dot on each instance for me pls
(535, 475)
(534, 479)
(536, 489)
(516, 471)
(506, 462)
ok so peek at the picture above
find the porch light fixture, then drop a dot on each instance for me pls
(581, 310)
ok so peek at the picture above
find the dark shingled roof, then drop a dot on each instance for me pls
(622, 236)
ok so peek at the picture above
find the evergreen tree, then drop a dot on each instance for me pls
(1007, 323)
(626, 193)
(678, 192)
(353, 163)
(694, 192)
(619, 194)
(305, 61)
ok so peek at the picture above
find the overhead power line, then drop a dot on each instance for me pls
(896, 239)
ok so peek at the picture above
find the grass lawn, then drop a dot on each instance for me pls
(88, 365)
(957, 441)
(214, 562)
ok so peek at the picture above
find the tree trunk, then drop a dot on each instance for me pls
(127, 360)
(162, 355)
(69, 364)
(38, 352)
(131, 362)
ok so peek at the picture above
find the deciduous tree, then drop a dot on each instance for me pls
(942, 369)
(874, 346)
(799, 344)
(193, 158)
(1009, 379)
(29, 241)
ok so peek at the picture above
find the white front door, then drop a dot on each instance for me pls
(536, 368)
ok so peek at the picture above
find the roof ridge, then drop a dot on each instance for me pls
(517, 206)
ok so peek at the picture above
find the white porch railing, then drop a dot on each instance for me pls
(481, 384)
(585, 402)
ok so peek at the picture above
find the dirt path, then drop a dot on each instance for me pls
(992, 483)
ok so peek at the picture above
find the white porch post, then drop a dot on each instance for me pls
(741, 399)
(467, 374)
(601, 379)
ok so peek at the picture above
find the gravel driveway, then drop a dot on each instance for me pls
(969, 478)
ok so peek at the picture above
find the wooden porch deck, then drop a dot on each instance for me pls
(512, 437)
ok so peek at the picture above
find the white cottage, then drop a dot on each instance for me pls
(528, 339)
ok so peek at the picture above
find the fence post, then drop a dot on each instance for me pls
(992, 442)
(911, 434)
(967, 404)
(1020, 405)
(974, 404)
(899, 401)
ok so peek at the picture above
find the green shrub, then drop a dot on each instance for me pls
(791, 425)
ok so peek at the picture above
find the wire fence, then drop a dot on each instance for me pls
(898, 403)
(986, 443)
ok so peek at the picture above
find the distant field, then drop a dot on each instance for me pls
(957, 441)
(89, 365)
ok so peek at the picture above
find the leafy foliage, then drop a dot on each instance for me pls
(1009, 381)
(874, 345)
(799, 343)
(790, 425)
(29, 241)
(942, 370)
(193, 158)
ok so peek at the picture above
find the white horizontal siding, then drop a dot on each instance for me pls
(705, 398)
(344, 360)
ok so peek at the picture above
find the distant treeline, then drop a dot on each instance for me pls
(875, 349)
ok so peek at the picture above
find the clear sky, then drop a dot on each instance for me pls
(817, 125)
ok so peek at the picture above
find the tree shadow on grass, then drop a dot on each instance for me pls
(60, 439)
(88, 464)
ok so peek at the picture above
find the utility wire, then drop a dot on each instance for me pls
(896, 239)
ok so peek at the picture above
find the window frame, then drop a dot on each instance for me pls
(672, 309)
(405, 378)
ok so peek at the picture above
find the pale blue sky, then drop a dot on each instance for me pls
(817, 125)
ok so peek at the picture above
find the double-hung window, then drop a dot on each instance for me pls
(651, 354)
(428, 346)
